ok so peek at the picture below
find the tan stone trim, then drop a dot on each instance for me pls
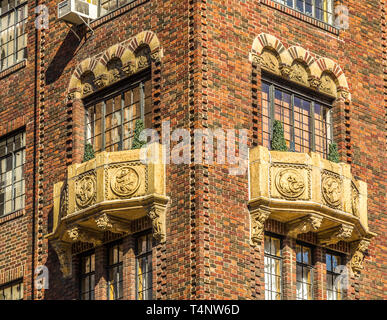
(300, 65)
(114, 64)
(11, 274)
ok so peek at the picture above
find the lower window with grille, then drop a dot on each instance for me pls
(304, 272)
(144, 269)
(87, 276)
(273, 268)
(335, 290)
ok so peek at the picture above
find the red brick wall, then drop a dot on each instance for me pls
(204, 80)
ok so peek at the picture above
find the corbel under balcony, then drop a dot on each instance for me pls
(308, 194)
(108, 193)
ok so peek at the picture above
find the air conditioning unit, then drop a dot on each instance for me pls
(77, 11)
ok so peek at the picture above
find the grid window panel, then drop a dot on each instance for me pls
(334, 288)
(87, 277)
(306, 122)
(110, 123)
(13, 36)
(319, 9)
(12, 291)
(115, 272)
(304, 272)
(12, 185)
(106, 6)
(144, 281)
(273, 268)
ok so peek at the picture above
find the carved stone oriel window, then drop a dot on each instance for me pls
(308, 194)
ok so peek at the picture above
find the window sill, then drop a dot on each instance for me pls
(301, 16)
(113, 14)
(19, 65)
(11, 216)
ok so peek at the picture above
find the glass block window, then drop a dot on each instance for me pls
(12, 185)
(319, 9)
(106, 6)
(115, 272)
(12, 291)
(304, 272)
(144, 267)
(273, 268)
(110, 120)
(306, 121)
(87, 276)
(334, 288)
(13, 36)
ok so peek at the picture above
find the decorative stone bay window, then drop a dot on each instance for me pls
(108, 193)
(308, 194)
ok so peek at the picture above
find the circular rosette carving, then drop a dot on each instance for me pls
(125, 181)
(85, 189)
(332, 190)
(290, 183)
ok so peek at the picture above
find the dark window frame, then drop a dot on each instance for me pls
(117, 89)
(310, 266)
(82, 275)
(278, 258)
(112, 267)
(306, 94)
(22, 149)
(147, 254)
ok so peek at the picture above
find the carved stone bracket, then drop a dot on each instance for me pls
(258, 218)
(108, 223)
(77, 233)
(63, 251)
(342, 232)
(358, 252)
(303, 225)
(101, 81)
(157, 215)
(285, 70)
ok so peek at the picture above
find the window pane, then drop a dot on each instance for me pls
(110, 124)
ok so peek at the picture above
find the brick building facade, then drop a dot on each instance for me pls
(237, 64)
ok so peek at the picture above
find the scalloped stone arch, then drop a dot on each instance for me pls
(265, 40)
(97, 65)
(316, 68)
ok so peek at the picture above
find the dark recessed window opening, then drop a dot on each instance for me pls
(273, 268)
(12, 185)
(111, 118)
(304, 272)
(115, 272)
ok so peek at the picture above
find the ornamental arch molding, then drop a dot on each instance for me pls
(300, 65)
(115, 63)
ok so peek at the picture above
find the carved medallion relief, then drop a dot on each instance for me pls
(85, 190)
